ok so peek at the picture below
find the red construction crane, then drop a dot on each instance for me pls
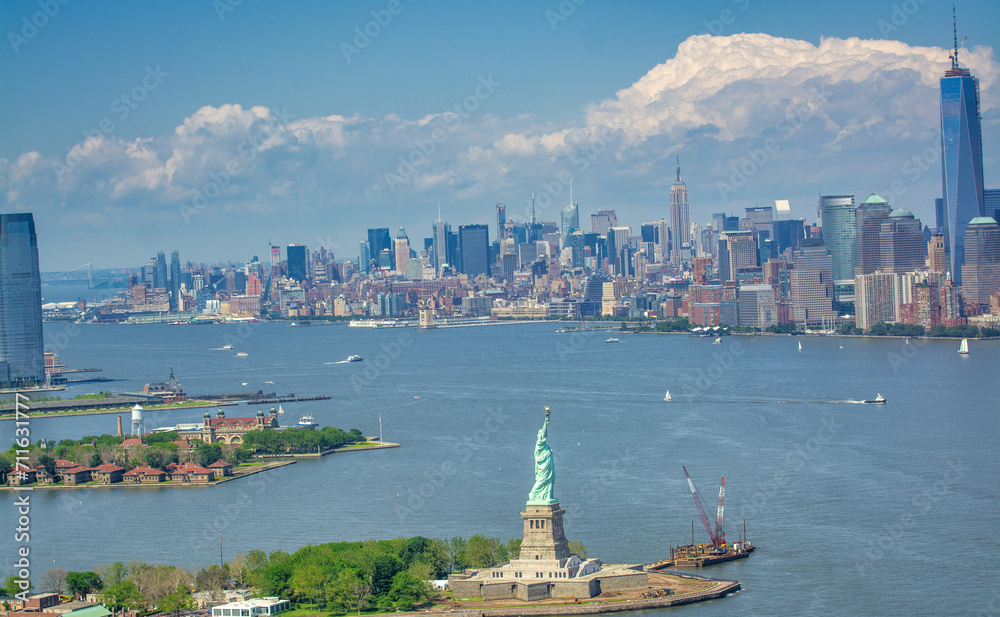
(701, 508)
(720, 535)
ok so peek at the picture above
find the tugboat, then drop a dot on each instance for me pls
(878, 400)
(354, 358)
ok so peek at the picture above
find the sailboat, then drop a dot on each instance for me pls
(666, 399)
(800, 345)
(281, 411)
(964, 347)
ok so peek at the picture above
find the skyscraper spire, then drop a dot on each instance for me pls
(532, 208)
(439, 210)
(678, 168)
(954, 30)
(570, 192)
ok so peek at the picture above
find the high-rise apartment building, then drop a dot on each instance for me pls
(298, 262)
(902, 246)
(737, 249)
(876, 299)
(936, 256)
(569, 221)
(474, 246)
(837, 212)
(160, 274)
(378, 241)
(401, 248)
(811, 283)
(680, 216)
(603, 220)
(981, 270)
(175, 280)
(364, 257)
(961, 158)
(868, 219)
(619, 253)
(21, 343)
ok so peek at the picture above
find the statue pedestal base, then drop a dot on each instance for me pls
(544, 538)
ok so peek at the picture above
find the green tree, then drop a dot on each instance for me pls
(483, 552)
(407, 591)
(577, 548)
(12, 588)
(212, 578)
(352, 591)
(207, 453)
(81, 583)
(178, 600)
(95, 459)
(308, 582)
(514, 547)
(48, 463)
(124, 595)
(5, 468)
(456, 551)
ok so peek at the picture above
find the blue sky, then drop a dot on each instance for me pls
(604, 92)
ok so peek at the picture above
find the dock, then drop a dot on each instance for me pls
(702, 555)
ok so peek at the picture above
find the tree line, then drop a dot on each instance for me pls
(337, 577)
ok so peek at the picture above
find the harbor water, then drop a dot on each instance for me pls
(854, 507)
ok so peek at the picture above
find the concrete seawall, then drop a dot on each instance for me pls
(721, 589)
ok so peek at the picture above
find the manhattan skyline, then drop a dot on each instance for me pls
(761, 102)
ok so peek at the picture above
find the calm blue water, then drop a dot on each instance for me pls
(853, 506)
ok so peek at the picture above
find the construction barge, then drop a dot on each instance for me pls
(702, 555)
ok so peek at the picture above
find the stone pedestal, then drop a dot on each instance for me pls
(544, 538)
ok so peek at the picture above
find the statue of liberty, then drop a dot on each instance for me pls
(545, 471)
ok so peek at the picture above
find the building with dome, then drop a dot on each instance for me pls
(902, 244)
(221, 429)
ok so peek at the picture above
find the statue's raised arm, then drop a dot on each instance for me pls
(545, 472)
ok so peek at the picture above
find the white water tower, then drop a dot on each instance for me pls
(137, 428)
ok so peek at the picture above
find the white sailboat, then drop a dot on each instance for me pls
(800, 345)
(281, 411)
(666, 399)
(964, 347)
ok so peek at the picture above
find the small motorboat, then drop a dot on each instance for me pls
(227, 346)
(354, 358)
(878, 400)
(612, 340)
(717, 341)
(242, 354)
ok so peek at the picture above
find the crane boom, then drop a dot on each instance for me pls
(720, 535)
(701, 508)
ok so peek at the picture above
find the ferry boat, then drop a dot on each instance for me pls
(354, 358)
(878, 400)
(306, 422)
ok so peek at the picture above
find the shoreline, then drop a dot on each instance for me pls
(35, 413)
(88, 485)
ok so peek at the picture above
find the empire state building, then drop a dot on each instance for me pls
(680, 217)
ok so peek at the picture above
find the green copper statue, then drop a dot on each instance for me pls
(545, 471)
